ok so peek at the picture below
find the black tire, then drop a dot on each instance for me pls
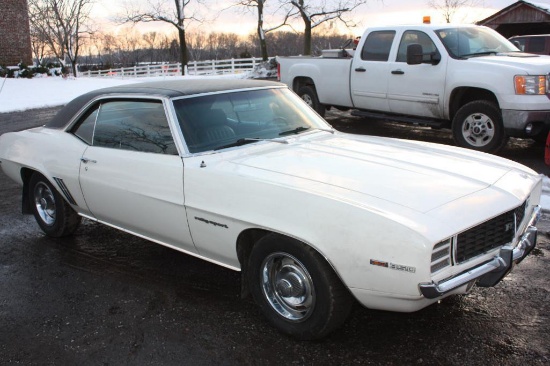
(541, 137)
(309, 95)
(478, 126)
(54, 216)
(296, 288)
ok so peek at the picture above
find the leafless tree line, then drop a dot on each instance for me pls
(63, 29)
(130, 48)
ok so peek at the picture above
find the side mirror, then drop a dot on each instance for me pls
(414, 54)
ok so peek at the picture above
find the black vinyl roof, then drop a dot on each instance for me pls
(169, 88)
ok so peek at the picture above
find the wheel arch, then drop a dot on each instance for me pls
(301, 81)
(250, 237)
(26, 174)
(463, 95)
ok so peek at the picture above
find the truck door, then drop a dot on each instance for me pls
(369, 70)
(417, 89)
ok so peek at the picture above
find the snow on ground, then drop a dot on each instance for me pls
(23, 94)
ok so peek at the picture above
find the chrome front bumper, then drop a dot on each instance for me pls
(492, 272)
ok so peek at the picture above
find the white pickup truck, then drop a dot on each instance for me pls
(467, 78)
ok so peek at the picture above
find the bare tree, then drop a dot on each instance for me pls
(315, 13)
(259, 6)
(177, 15)
(448, 8)
(62, 24)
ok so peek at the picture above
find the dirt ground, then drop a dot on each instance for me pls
(105, 297)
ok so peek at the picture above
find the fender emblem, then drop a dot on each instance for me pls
(211, 222)
(398, 267)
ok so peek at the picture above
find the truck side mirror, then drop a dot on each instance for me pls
(414, 54)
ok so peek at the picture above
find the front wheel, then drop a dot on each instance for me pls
(296, 288)
(478, 125)
(309, 95)
(54, 216)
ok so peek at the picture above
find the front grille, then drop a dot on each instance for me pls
(489, 235)
(520, 213)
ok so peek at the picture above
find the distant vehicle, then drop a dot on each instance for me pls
(466, 78)
(244, 174)
(538, 44)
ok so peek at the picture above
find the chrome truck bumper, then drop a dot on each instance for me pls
(492, 272)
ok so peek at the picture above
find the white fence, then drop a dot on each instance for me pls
(213, 67)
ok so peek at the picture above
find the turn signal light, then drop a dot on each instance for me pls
(530, 84)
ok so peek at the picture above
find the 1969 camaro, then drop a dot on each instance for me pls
(244, 174)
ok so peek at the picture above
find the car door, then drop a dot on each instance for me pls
(369, 72)
(417, 90)
(131, 175)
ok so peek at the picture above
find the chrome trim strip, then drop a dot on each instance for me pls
(237, 269)
(228, 91)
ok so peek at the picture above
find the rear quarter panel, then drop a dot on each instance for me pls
(330, 76)
(52, 153)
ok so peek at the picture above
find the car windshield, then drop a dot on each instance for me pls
(469, 42)
(216, 121)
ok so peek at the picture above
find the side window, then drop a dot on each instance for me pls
(84, 128)
(377, 46)
(134, 125)
(536, 44)
(520, 43)
(410, 37)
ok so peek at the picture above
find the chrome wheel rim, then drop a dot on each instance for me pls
(478, 129)
(287, 287)
(307, 99)
(44, 201)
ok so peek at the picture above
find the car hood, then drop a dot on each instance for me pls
(535, 64)
(416, 175)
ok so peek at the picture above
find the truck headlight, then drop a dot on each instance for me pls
(531, 84)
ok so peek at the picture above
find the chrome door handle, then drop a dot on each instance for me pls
(86, 160)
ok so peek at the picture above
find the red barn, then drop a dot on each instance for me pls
(522, 17)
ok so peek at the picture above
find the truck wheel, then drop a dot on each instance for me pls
(296, 289)
(478, 125)
(309, 95)
(54, 216)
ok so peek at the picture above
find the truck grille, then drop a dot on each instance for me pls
(489, 235)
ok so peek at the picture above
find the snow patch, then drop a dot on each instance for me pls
(20, 94)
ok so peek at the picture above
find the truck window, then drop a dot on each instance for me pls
(536, 45)
(377, 46)
(410, 37)
(520, 43)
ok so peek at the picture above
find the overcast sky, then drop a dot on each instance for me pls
(375, 12)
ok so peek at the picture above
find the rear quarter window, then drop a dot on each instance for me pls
(377, 46)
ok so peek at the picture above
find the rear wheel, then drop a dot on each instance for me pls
(478, 125)
(54, 216)
(296, 288)
(309, 95)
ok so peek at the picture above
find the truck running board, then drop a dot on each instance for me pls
(438, 123)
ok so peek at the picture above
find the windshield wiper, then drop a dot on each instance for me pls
(294, 131)
(300, 129)
(486, 53)
(248, 140)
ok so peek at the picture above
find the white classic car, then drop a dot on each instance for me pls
(244, 174)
